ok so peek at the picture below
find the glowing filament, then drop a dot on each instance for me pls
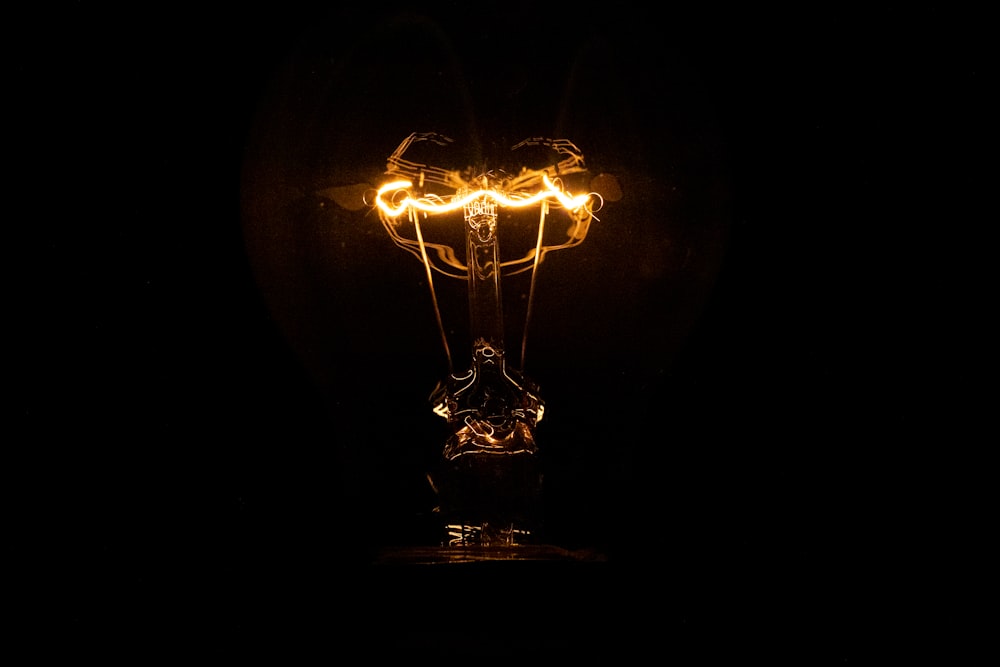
(481, 198)
(434, 204)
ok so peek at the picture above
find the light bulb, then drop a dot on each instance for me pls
(604, 265)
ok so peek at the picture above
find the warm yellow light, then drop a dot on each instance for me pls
(435, 204)
(411, 193)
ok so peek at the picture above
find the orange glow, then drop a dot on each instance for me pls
(407, 199)
(434, 204)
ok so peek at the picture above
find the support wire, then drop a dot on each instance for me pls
(534, 274)
(414, 216)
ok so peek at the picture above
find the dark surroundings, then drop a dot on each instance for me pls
(742, 364)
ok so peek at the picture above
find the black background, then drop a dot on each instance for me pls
(753, 469)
